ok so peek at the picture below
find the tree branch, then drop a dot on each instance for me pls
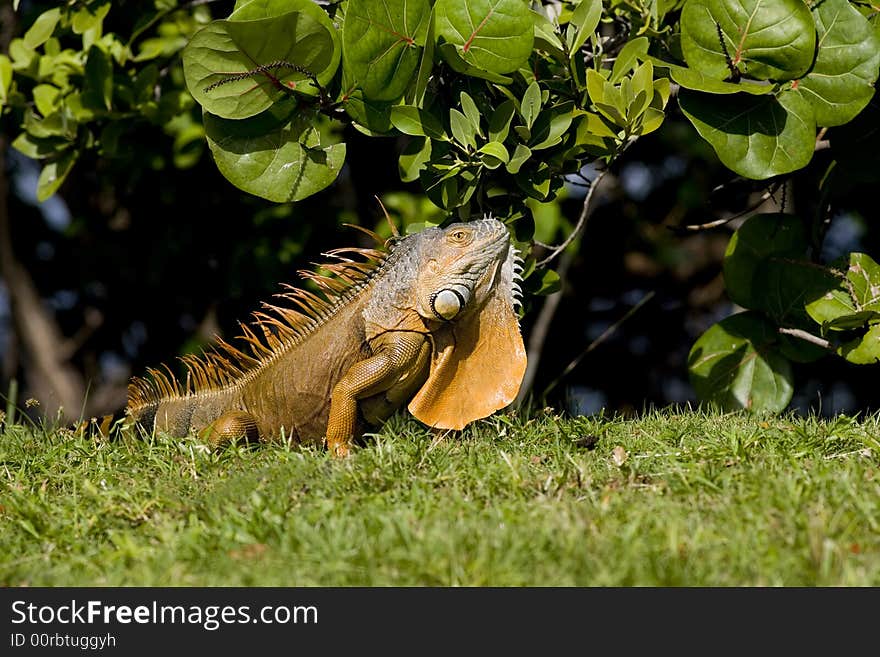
(695, 228)
(807, 337)
(581, 222)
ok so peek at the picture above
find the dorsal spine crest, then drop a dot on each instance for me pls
(222, 365)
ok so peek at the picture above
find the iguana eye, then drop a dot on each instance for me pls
(460, 236)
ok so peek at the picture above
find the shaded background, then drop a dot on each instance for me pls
(146, 256)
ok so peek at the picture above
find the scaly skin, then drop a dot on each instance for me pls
(432, 325)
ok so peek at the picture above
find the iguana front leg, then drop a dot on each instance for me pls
(394, 354)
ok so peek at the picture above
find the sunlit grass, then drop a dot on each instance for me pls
(672, 498)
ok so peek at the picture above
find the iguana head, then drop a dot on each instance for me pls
(461, 266)
(464, 288)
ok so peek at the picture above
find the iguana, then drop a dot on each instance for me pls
(430, 321)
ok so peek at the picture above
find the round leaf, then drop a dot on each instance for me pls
(494, 154)
(221, 62)
(841, 82)
(756, 136)
(852, 296)
(735, 365)
(762, 39)
(381, 42)
(761, 236)
(270, 157)
(493, 35)
(864, 350)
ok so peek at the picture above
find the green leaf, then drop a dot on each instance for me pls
(272, 157)
(585, 18)
(594, 124)
(765, 268)
(863, 273)
(469, 107)
(98, 87)
(864, 350)
(785, 285)
(643, 86)
(224, 51)
(39, 148)
(426, 67)
(24, 58)
(735, 365)
(494, 154)
(854, 321)
(550, 283)
(551, 126)
(520, 155)
(531, 104)
(45, 96)
(841, 81)
(628, 57)
(54, 173)
(546, 38)
(492, 35)
(5, 79)
(596, 85)
(382, 43)
(41, 30)
(417, 122)
(88, 18)
(612, 113)
(536, 181)
(758, 137)
(456, 63)
(764, 39)
(854, 291)
(499, 122)
(760, 237)
(374, 116)
(56, 124)
(462, 129)
(442, 190)
(415, 155)
(690, 78)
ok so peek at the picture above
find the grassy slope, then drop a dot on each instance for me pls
(699, 500)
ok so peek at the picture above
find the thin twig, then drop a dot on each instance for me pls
(807, 337)
(581, 222)
(695, 228)
(595, 343)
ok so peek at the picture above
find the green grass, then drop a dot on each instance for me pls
(698, 499)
